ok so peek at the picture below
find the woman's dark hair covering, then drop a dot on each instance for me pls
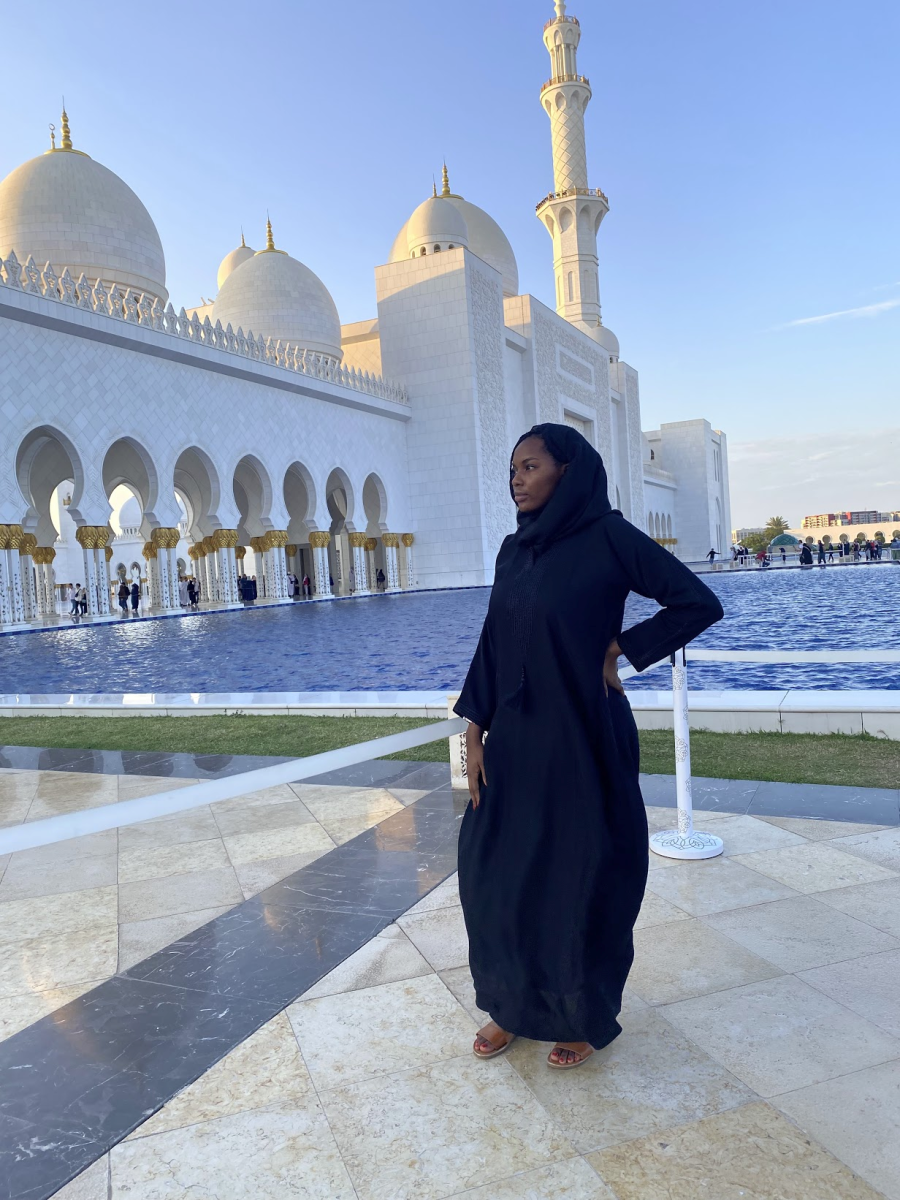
(581, 496)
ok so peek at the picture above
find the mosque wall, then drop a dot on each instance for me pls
(438, 335)
(361, 344)
(63, 371)
(695, 456)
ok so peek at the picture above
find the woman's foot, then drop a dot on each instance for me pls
(491, 1040)
(566, 1055)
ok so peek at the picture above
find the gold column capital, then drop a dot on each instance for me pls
(390, 539)
(258, 544)
(240, 552)
(358, 540)
(371, 543)
(224, 539)
(4, 537)
(28, 544)
(291, 549)
(86, 536)
(407, 539)
(319, 539)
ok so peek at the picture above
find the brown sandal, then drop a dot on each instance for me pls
(494, 1050)
(569, 1066)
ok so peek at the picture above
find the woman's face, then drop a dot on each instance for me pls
(535, 474)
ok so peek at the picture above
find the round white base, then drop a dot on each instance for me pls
(671, 844)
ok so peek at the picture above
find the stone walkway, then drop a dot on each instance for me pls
(760, 1055)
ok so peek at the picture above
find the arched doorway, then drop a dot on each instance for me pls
(253, 497)
(340, 503)
(300, 502)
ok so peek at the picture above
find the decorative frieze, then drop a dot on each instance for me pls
(142, 309)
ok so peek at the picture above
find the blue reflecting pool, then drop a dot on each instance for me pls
(424, 641)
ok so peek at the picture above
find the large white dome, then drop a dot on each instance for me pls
(275, 295)
(64, 208)
(233, 259)
(485, 237)
(435, 224)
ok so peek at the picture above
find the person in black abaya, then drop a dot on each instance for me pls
(553, 846)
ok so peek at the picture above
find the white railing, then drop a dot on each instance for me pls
(142, 309)
(889, 553)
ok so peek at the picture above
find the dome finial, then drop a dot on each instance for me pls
(243, 243)
(270, 240)
(433, 187)
(66, 136)
(445, 181)
(560, 8)
(52, 136)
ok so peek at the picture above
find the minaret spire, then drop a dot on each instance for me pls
(573, 211)
(66, 136)
(445, 181)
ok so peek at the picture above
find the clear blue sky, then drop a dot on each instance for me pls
(749, 152)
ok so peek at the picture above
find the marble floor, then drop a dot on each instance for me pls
(78, 912)
(760, 1054)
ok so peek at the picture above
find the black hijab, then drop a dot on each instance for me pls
(581, 496)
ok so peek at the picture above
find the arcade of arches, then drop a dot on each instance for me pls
(247, 535)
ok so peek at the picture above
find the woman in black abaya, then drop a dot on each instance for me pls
(553, 847)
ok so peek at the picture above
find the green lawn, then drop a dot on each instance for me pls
(790, 758)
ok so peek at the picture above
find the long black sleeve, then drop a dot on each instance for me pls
(478, 698)
(688, 605)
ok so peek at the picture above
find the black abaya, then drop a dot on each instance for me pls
(553, 862)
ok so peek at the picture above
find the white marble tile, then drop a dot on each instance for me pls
(751, 1151)
(656, 911)
(714, 885)
(690, 959)
(800, 933)
(743, 834)
(66, 912)
(158, 862)
(259, 816)
(439, 935)
(24, 879)
(856, 1117)
(573, 1179)
(92, 1184)
(355, 1035)
(882, 848)
(651, 1077)
(877, 904)
(869, 986)
(255, 877)
(429, 1133)
(166, 896)
(196, 825)
(386, 958)
(90, 845)
(445, 895)
(820, 831)
(57, 960)
(265, 1071)
(308, 839)
(351, 812)
(782, 1034)
(813, 867)
(267, 1155)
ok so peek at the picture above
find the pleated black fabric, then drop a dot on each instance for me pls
(553, 862)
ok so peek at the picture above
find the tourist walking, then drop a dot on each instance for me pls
(711, 555)
(135, 597)
(379, 579)
(72, 601)
(83, 600)
(192, 594)
(123, 594)
(307, 587)
(821, 548)
(553, 846)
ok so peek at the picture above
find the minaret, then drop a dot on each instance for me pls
(573, 211)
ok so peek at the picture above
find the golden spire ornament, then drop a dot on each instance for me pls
(445, 181)
(270, 240)
(66, 136)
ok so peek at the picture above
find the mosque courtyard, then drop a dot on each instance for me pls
(269, 996)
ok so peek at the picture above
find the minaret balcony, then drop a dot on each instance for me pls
(576, 191)
(562, 21)
(557, 79)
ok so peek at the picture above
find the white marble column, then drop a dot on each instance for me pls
(89, 560)
(360, 566)
(5, 583)
(104, 554)
(407, 540)
(318, 541)
(26, 571)
(225, 541)
(154, 596)
(371, 543)
(240, 555)
(391, 562)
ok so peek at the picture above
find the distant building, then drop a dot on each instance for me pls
(868, 516)
(738, 535)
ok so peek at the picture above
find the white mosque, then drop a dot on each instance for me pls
(258, 435)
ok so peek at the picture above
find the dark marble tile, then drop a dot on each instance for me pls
(378, 773)
(880, 806)
(143, 762)
(80, 1080)
(261, 951)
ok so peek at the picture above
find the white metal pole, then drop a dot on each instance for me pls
(685, 841)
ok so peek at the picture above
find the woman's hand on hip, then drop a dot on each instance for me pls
(611, 669)
(475, 762)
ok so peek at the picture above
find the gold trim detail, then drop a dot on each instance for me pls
(319, 539)
(407, 539)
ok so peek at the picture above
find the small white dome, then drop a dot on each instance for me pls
(278, 297)
(64, 208)
(485, 239)
(607, 340)
(233, 259)
(435, 224)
